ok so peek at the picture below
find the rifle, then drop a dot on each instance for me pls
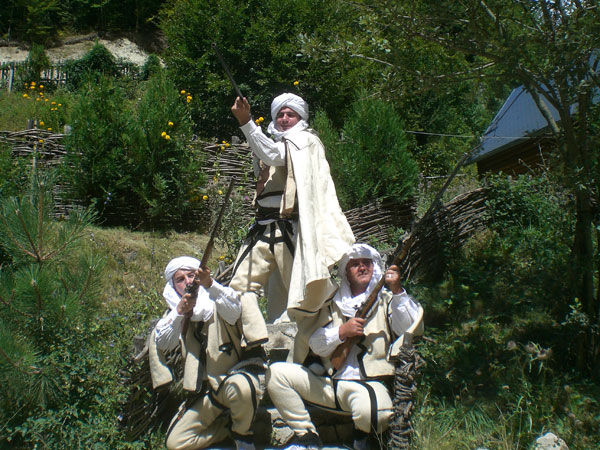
(226, 69)
(339, 355)
(193, 287)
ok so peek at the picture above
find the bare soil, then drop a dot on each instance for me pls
(76, 46)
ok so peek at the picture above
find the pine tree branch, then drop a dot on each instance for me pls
(40, 230)
(36, 255)
(12, 308)
(15, 240)
(7, 358)
(86, 285)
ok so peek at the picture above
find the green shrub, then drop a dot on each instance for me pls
(165, 171)
(99, 160)
(98, 62)
(151, 67)
(130, 159)
(370, 160)
(37, 61)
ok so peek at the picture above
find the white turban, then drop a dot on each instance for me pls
(181, 263)
(291, 101)
(343, 298)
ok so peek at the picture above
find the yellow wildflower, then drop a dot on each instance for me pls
(37, 99)
(223, 142)
(222, 147)
(222, 257)
(167, 137)
(220, 192)
(46, 100)
(49, 128)
(32, 87)
(60, 104)
(41, 123)
(182, 92)
(296, 83)
(189, 98)
(228, 145)
(53, 103)
(41, 141)
(205, 197)
(25, 96)
(163, 134)
(41, 94)
(170, 123)
(41, 86)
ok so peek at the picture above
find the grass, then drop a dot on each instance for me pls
(17, 110)
(450, 414)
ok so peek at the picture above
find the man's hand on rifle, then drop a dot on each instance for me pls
(241, 110)
(353, 327)
(203, 277)
(186, 305)
(392, 280)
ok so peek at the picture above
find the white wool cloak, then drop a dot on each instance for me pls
(324, 234)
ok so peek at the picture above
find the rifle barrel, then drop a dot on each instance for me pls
(226, 69)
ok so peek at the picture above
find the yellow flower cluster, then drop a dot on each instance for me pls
(164, 134)
(224, 145)
(260, 120)
(188, 96)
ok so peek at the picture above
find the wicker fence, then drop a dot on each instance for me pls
(376, 222)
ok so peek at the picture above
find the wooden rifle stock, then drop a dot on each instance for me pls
(340, 354)
(193, 287)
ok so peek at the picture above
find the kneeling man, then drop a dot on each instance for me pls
(358, 386)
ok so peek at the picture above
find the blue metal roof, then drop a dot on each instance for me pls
(518, 120)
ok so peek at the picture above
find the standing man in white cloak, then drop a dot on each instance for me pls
(300, 229)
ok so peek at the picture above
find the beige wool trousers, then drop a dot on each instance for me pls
(253, 269)
(204, 424)
(290, 385)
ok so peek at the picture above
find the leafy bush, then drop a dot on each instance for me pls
(260, 43)
(370, 160)
(130, 159)
(99, 160)
(165, 170)
(98, 62)
(151, 67)
(37, 61)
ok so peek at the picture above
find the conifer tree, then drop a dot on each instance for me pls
(47, 300)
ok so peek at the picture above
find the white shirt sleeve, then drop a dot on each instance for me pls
(325, 340)
(167, 331)
(403, 312)
(228, 302)
(168, 328)
(270, 152)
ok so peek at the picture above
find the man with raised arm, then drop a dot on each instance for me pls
(222, 400)
(300, 229)
(357, 387)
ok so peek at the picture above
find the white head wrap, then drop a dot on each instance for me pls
(343, 298)
(184, 263)
(291, 101)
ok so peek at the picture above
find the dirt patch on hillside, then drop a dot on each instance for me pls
(75, 47)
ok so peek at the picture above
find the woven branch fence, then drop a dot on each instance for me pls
(375, 222)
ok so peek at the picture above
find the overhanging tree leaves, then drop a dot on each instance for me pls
(551, 48)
